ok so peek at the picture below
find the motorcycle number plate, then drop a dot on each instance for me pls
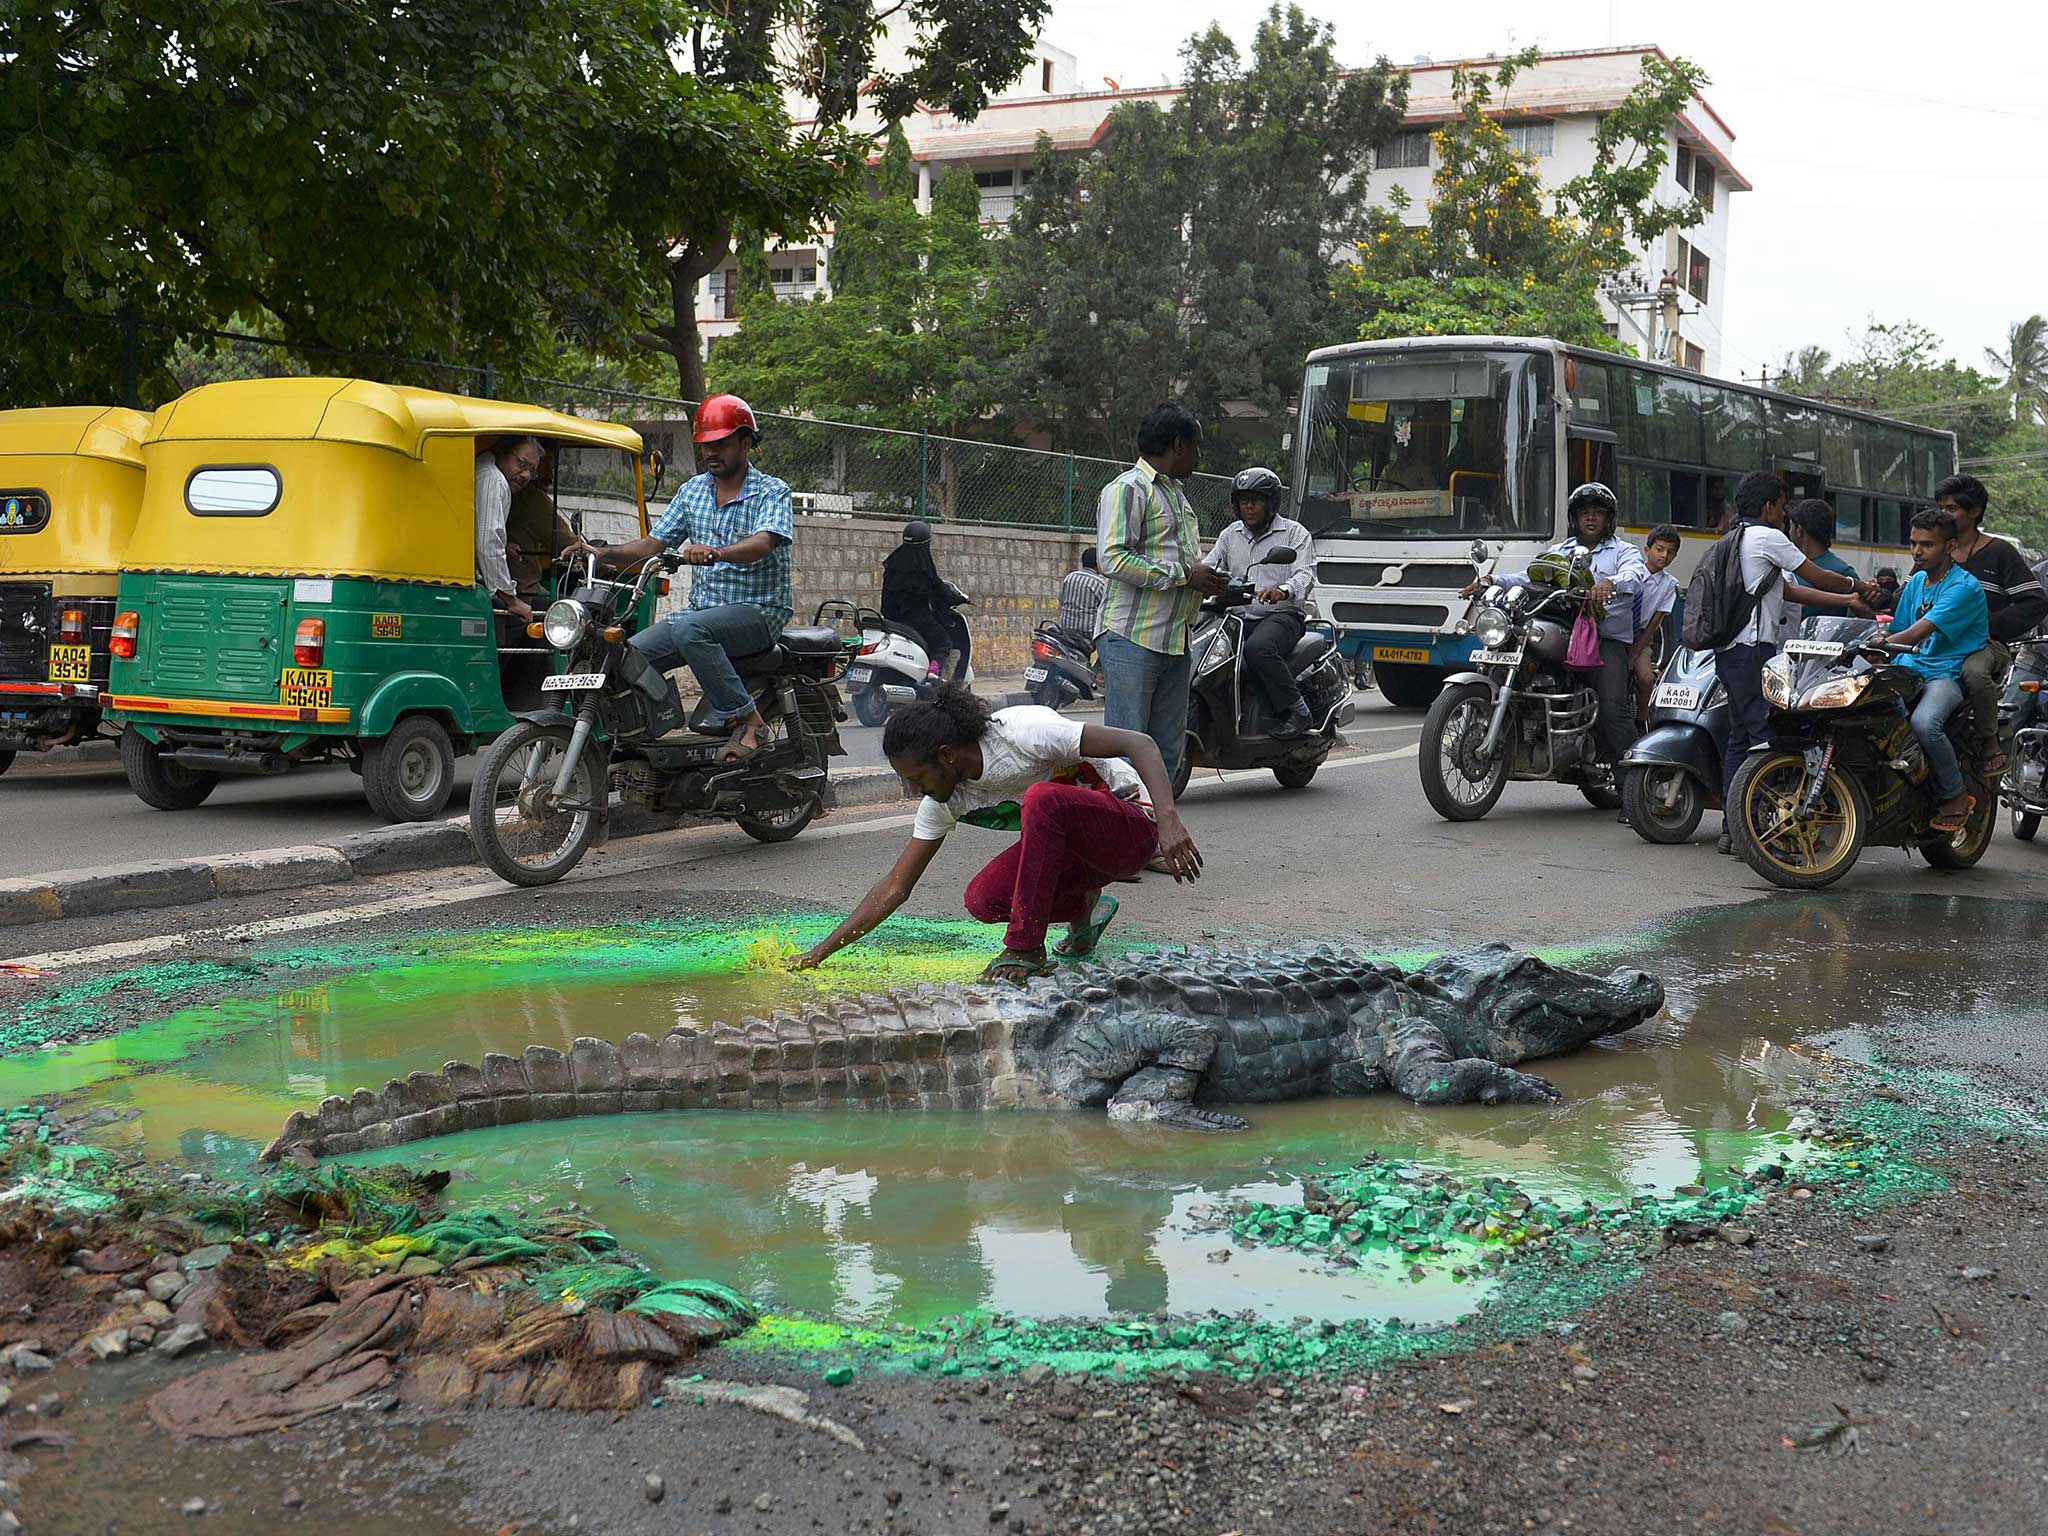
(1676, 696)
(860, 674)
(565, 682)
(1827, 648)
(1497, 658)
(1034, 674)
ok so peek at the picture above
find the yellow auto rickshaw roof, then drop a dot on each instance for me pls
(397, 417)
(107, 432)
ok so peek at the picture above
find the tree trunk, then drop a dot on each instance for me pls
(689, 347)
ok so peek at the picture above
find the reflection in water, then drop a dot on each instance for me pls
(912, 1214)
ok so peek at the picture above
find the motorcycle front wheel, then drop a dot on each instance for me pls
(1800, 854)
(1457, 787)
(1664, 805)
(519, 829)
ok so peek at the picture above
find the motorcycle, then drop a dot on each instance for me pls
(1672, 775)
(893, 666)
(1520, 713)
(1843, 768)
(542, 791)
(1062, 668)
(2024, 789)
(1228, 724)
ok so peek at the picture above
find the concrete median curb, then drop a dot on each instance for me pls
(139, 887)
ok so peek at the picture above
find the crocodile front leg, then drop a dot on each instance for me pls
(1165, 1096)
(1419, 1067)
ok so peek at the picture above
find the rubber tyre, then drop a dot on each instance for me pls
(1600, 797)
(1046, 694)
(1296, 775)
(6, 761)
(1406, 685)
(483, 820)
(2024, 824)
(869, 707)
(780, 832)
(166, 786)
(1757, 766)
(1184, 774)
(409, 775)
(1435, 788)
(1653, 825)
(1965, 848)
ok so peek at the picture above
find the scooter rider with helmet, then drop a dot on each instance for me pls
(1618, 571)
(1279, 612)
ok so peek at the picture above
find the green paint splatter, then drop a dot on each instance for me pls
(89, 1005)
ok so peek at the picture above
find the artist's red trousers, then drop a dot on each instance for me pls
(1074, 841)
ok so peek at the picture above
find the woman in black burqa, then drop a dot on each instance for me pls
(917, 597)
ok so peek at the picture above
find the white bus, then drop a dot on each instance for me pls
(1405, 452)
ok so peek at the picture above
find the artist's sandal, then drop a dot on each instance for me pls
(1018, 969)
(1082, 938)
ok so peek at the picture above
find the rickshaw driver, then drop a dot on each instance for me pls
(735, 525)
(502, 473)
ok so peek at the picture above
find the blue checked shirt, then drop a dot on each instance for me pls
(694, 515)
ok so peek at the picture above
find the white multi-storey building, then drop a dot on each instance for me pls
(1670, 307)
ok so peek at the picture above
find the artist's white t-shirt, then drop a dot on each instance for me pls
(1024, 745)
(1762, 548)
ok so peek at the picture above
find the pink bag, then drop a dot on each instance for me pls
(1583, 655)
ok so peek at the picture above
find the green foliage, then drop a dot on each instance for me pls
(1494, 253)
(2024, 367)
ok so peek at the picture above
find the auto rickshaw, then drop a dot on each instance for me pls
(302, 584)
(70, 489)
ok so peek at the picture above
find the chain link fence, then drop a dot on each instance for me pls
(831, 467)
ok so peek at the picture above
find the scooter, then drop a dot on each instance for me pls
(1672, 775)
(893, 667)
(1063, 668)
(1227, 721)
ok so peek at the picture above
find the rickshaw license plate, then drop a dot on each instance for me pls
(1676, 696)
(306, 687)
(568, 682)
(70, 663)
(1497, 658)
(1401, 653)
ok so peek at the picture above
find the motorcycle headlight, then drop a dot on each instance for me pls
(1778, 681)
(1491, 628)
(564, 624)
(1836, 692)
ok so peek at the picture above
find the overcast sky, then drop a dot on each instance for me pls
(1899, 153)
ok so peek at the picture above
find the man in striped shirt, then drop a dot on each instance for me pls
(1149, 546)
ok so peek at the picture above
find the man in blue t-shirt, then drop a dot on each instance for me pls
(1944, 618)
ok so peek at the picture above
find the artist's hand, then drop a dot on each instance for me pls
(1177, 850)
(809, 960)
(1273, 595)
(698, 554)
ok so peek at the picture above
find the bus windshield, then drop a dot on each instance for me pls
(1437, 443)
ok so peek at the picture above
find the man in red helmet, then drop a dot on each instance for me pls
(734, 526)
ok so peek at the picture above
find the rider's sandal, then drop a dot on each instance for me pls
(1082, 938)
(1955, 822)
(1995, 764)
(1018, 968)
(737, 752)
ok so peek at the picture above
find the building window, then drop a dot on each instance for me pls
(1403, 152)
(807, 274)
(1681, 166)
(1703, 182)
(1694, 358)
(995, 178)
(1045, 76)
(1532, 139)
(782, 274)
(1696, 272)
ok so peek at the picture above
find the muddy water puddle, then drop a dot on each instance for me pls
(907, 1215)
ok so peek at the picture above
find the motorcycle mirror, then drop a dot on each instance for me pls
(657, 466)
(1478, 552)
(1279, 557)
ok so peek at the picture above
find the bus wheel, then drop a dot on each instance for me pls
(166, 786)
(1405, 685)
(410, 774)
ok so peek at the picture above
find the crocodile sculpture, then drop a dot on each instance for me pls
(1154, 1038)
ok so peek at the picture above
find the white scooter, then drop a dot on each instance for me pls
(893, 667)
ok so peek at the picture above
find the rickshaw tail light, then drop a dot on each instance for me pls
(71, 626)
(309, 642)
(122, 641)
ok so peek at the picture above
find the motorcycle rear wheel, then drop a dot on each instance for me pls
(1046, 694)
(1664, 805)
(1296, 775)
(1962, 849)
(513, 781)
(1799, 856)
(1454, 794)
(1602, 797)
(780, 826)
(2024, 825)
(870, 706)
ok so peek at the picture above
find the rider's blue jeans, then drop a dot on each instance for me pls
(706, 640)
(1942, 697)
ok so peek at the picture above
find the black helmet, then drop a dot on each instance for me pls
(1594, 494)
(917, 531)
(1258, 481)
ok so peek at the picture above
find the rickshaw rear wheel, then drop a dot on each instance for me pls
(409, 775)
(165, 786)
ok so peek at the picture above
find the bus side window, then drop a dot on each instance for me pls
(1591, 460)
(1685, 499)
(1714, 514)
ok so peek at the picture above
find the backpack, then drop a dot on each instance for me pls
(1716, 606)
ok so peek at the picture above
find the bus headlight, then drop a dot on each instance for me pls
(564, 624)
(1491, 628)
(1778, 681)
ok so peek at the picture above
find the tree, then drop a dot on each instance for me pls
(1496, 255)
(2024, 365)
(824, 50)
(1189, 253)
(428, 179)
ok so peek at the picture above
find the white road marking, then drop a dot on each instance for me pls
(607, 866)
